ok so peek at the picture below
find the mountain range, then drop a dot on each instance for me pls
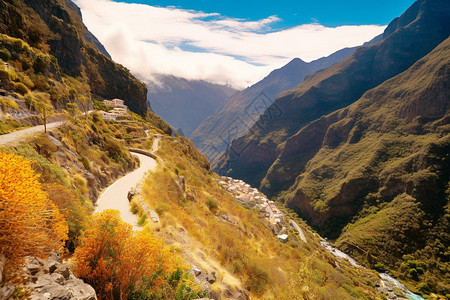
(242, 110)
(183, 103)
(360, 149)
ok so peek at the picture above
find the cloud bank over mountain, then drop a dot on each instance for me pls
(191, 44)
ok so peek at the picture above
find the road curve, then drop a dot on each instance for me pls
(115, 196)
(300, 231)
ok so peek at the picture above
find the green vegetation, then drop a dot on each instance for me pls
(377, 176)
(243, 251)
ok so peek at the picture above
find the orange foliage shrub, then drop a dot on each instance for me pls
(71, 207)
(30, 224)
(116, 261)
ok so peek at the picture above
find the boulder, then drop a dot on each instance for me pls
(6, 290)
(33, 265)
(52, 266)
(64, 271)
(211, 278)
(80, 290)
(197, 272)
(51, 279)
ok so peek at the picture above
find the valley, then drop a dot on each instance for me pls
(160, 177)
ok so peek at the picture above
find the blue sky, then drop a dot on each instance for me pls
(230, 42)
(327, 12)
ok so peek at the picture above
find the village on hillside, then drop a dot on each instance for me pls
(119, 109)
(251, 197)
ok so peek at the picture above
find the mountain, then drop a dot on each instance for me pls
(407, 38)
(56, 27)
(242, 110)
(377, 173)
(185, 103)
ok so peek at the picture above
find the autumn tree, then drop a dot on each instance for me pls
(30, 224)
(72, 109)
(116, 260)
(43, 106)
(84, 103)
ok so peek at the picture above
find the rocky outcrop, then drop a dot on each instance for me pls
(49, 279)
(206, 279)
(418, 31)
(58, 23)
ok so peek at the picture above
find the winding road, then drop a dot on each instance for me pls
(19, 135)
(300, 231)
(115, 196)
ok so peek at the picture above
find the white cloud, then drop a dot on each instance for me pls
(156, 40)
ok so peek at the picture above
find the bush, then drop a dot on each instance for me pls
(30, 224)
(118, 261)
(161, 208)
(211, 203)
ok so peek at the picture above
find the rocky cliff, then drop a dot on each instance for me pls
(408, 38)
(56, 27)
(375, 175)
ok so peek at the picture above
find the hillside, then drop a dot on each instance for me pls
(217, 235)
(408, 38)
(242, 110)
(376, 175)
(183, 103)
(55, 28)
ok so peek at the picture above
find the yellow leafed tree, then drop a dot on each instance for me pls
(117, 261)
(30, 223)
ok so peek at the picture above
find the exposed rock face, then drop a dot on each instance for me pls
(408, 38)
(383, 120)
(185, 103)
(58, 23)
(50, 279)
(243, 109)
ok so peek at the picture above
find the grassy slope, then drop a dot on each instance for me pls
(408, 38)
(243, 252)
(381, 166)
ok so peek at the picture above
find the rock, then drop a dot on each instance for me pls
(211, 278)
(182, 183)
(33, 265)
(81, 290)
(60, 284)
(6, 290)
(2, 265)
(54, 141)
(43, 280)
(214, 295)
(197, 272)
(58, 278)
(63, 270)
(54, 256)
(52, 266)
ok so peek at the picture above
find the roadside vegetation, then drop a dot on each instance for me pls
(234, 242)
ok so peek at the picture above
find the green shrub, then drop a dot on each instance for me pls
(258, 279)
(20, 88)
(85, 162)
(161, 208)
(142, 220)
(211, 203)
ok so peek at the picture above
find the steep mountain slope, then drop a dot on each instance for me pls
(408, 38)
(56, 27)
(185, 103)
(243, 109)
(381, 168)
